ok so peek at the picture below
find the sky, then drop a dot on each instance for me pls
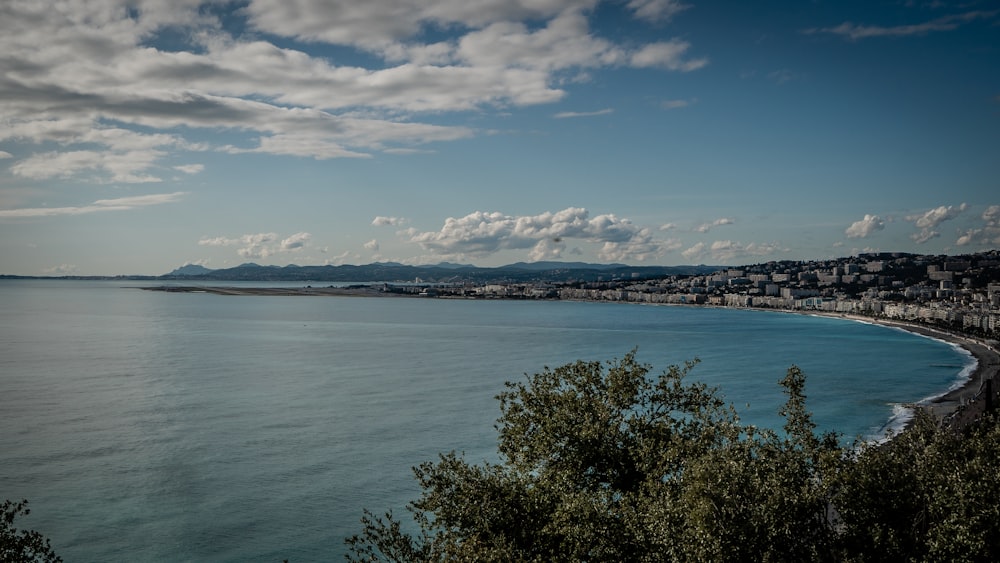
(137, 136)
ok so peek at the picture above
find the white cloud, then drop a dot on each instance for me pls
(855, 32)
(930, 219)
(5, 154)
(988, 234)
(695, 252)
(342, 258)
(934, 217)
(668, 55)
(547, 249)
(124, 156)
(481, 234)
(295, 242)
(640, 248)
(253, 245)
(728, 250)
(91, 79)
(568, 114)
(382, 221)
(972, 236)
(261, 245)
(992, 215)
(668, 226)
(117, 204)
(126, 167)
(656, 10)
(372, 245)
(376, 23)
(865, 227)
(563, 43)
(705, 227)
(190, 168)
(924, 235)
(299, 144)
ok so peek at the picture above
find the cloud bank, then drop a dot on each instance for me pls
(261, 245)
(546, 235)
(106, 91)
(726, 251)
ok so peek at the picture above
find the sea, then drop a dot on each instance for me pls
(158, 426)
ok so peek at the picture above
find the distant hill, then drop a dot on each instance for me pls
(190, 270)
(549, 265)
(441, 273)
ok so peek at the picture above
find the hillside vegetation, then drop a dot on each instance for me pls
(602, 462)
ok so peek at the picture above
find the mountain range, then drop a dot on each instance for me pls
(439, 273)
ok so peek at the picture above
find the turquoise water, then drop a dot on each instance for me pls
(160, 426)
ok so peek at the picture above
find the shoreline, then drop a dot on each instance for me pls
(956, 407)
(962, 404)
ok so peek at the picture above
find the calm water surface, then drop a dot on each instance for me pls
(157, 426)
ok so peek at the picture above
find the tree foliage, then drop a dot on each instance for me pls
(21, 545)
(604, 462)
(930, 494)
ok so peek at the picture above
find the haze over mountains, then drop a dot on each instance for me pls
(445, 272)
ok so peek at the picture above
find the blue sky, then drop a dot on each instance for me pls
(138, 136)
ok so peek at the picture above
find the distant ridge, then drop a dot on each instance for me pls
(540, 266)
(190, 270)
(440, 273)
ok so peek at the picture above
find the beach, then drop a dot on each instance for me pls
(966, 403)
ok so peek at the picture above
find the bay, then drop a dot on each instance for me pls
(197, 427)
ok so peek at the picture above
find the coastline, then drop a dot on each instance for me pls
(962, 404)
(956, 407)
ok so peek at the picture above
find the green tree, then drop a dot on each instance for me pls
(930, 494)
(602, 462)
(21, 545)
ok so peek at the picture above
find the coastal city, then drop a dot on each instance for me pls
(952, 298)
(959, 293)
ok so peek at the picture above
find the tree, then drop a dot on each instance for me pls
(21, 545)
(930, 494)
(601, 462)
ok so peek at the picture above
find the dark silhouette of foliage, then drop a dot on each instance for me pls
(930, 494)
(602, 462)
(21, 545)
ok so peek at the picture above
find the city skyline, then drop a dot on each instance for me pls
(140, 136)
